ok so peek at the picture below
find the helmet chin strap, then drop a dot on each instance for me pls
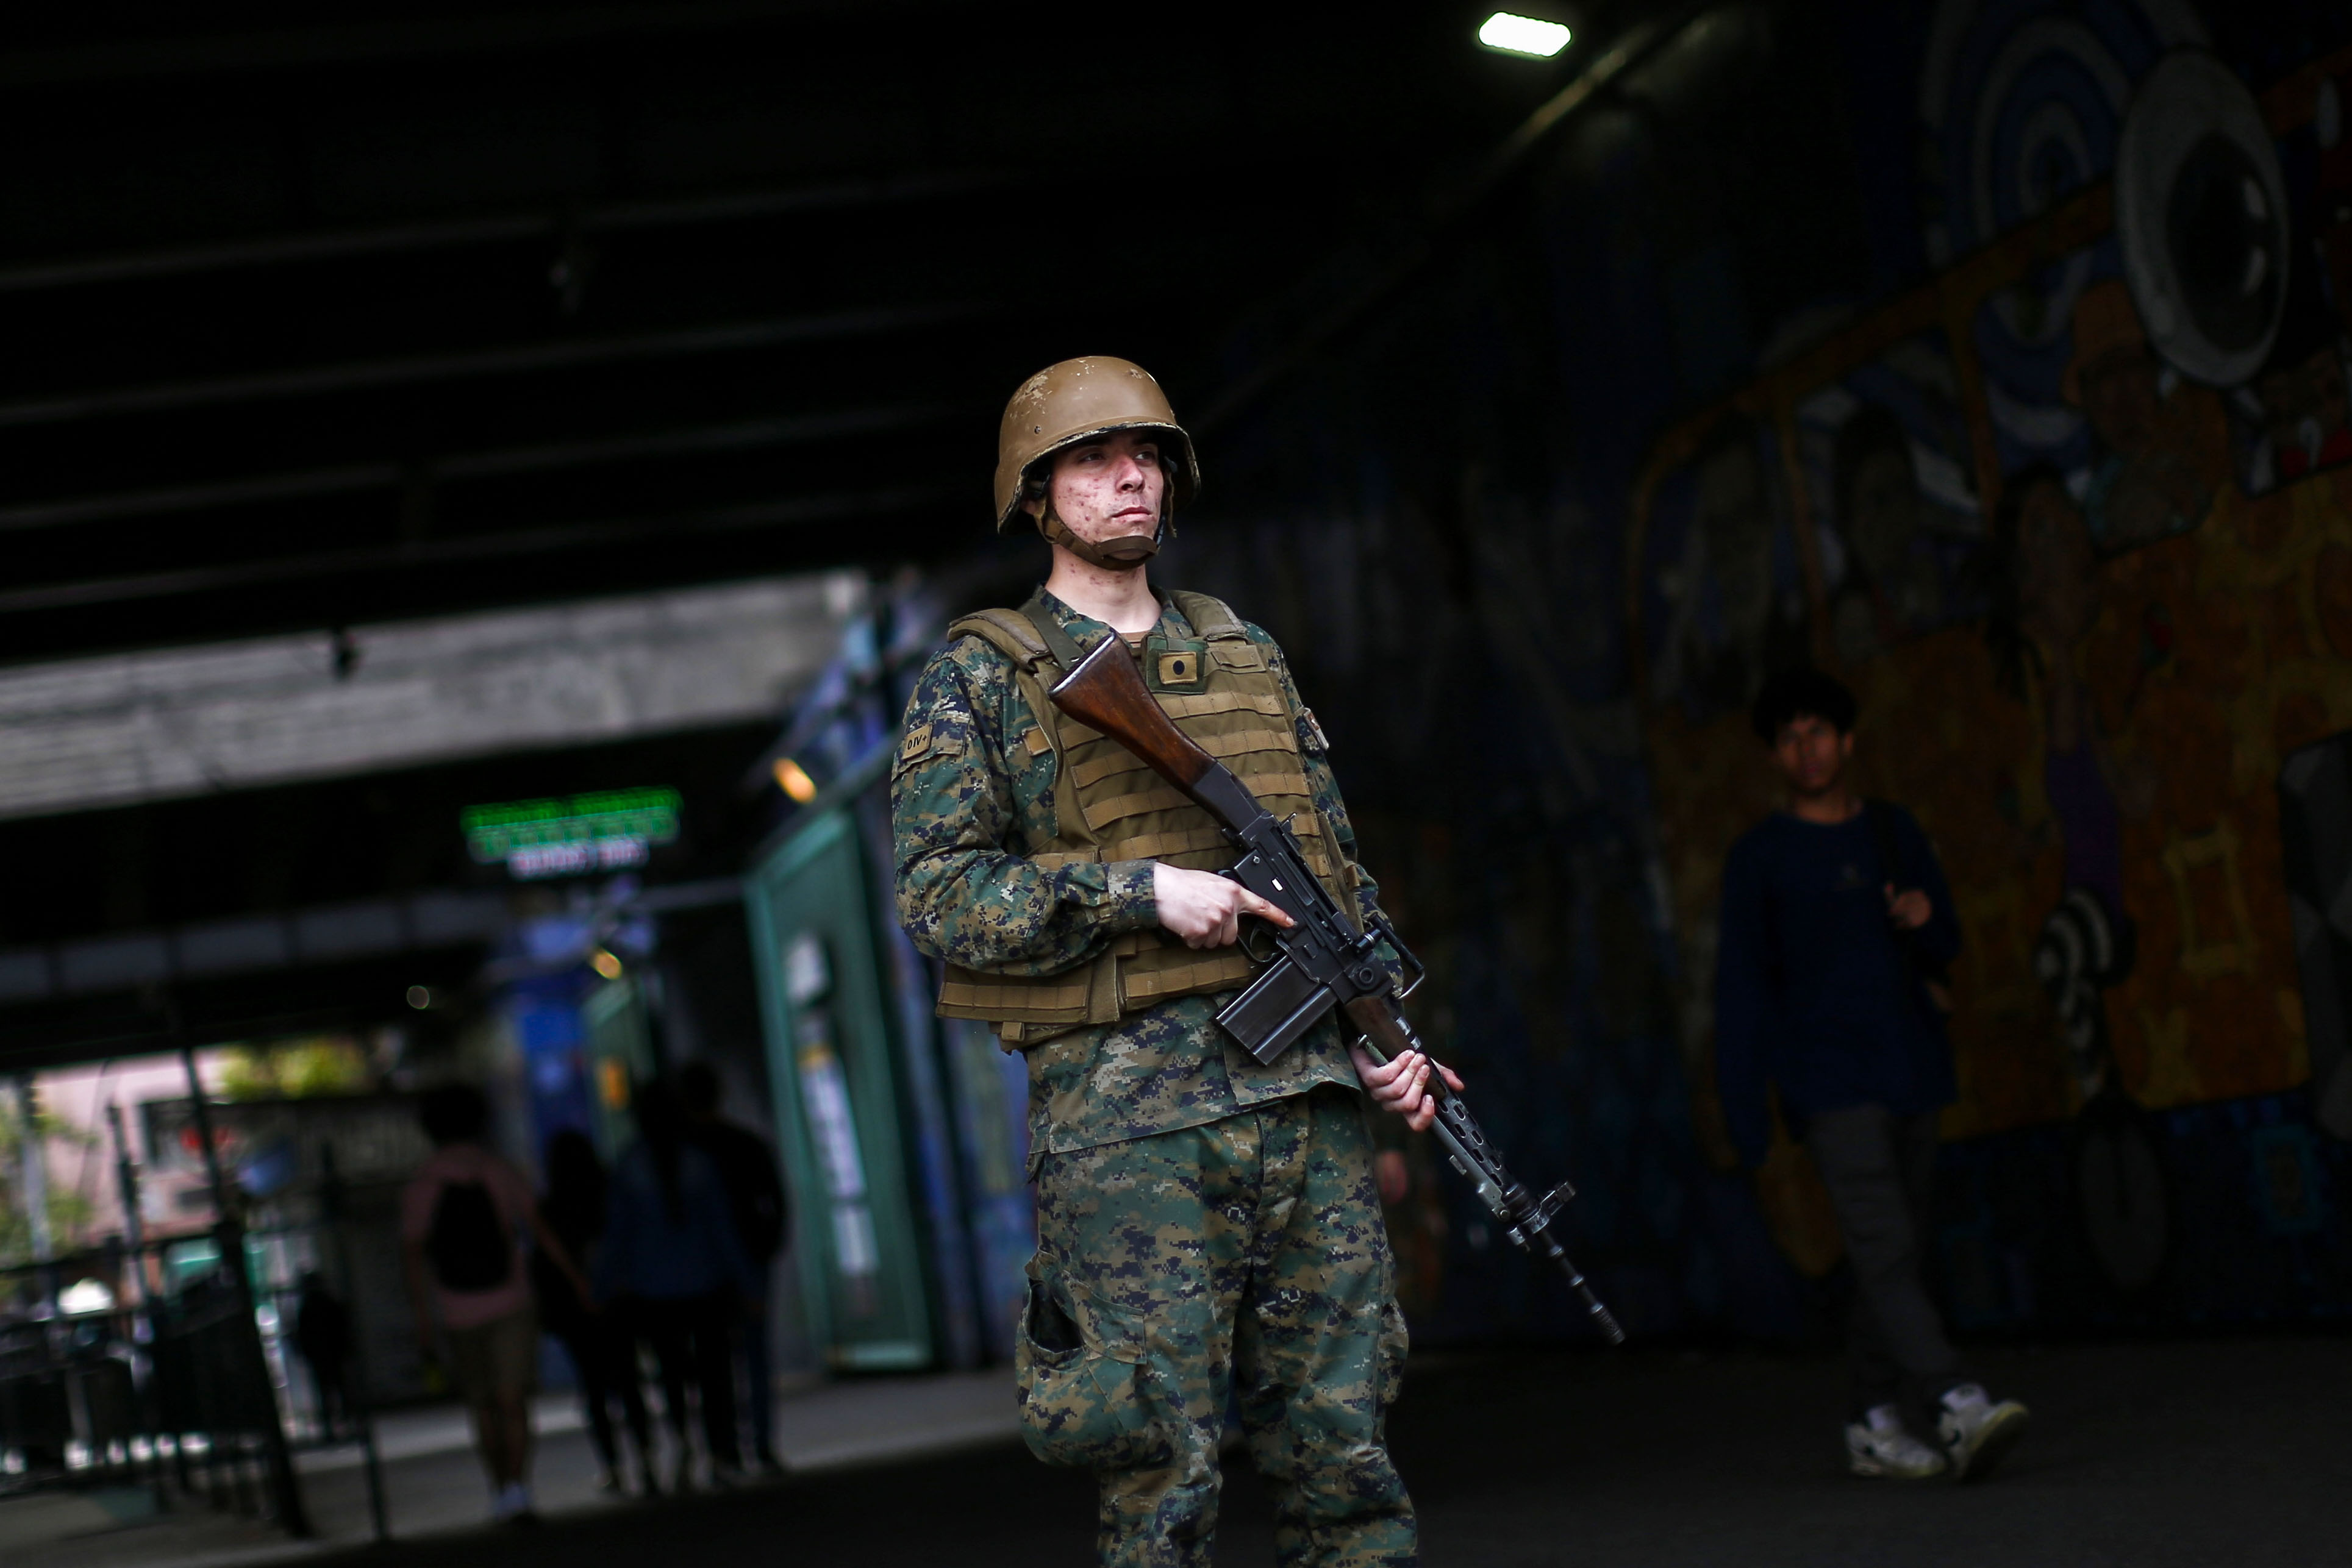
(1121, 554)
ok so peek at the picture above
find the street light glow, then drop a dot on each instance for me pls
(1523, 36)
(793, 781)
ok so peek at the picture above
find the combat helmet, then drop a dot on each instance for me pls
(1080, 399)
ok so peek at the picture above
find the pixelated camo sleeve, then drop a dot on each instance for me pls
(967, 892)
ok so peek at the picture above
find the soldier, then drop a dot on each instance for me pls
(1209, 1228)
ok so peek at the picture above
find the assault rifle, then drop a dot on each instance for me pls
(1322, 961)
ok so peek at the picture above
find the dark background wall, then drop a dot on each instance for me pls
(1444, 515)
(424, 309)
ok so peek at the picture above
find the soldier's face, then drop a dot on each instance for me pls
(1110, 489)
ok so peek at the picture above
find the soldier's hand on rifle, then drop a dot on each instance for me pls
(1206, 909)
(1401, 1085)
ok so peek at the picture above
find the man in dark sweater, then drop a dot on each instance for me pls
(1835, 919)
(755, 1195)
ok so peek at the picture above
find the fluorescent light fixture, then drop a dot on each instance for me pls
(1523, 36)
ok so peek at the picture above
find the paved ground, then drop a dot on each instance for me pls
(433, 1486)
(2222, 1452)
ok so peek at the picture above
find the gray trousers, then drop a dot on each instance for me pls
(1879, 1167)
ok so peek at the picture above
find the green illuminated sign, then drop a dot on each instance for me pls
(606, 829)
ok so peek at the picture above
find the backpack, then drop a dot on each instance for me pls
(468, 1242)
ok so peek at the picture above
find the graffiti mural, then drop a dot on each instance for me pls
(1887, 450)
(2075, 520)
(1724, 573)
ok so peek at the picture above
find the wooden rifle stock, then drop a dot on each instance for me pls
(1382, 1027)
(1106, 691)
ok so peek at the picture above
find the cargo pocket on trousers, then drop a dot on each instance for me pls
(1388, 1358)
(1085, 1380)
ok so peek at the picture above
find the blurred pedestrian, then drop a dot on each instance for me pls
(755, 1197)
(1837, 927)
(322, 1332)
(604, 1353)
(462, 1218)
(671, 1262)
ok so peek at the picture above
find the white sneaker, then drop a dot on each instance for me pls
(1976, 1432)
(1878, 1446)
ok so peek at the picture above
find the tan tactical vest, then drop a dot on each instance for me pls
(1108, 806)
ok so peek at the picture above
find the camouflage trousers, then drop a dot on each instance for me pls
(1243, 1263)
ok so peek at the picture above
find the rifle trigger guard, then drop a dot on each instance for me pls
(1266, 947)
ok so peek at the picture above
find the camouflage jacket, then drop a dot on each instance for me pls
(963, 822)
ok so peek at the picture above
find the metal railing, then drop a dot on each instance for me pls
(164, 1390)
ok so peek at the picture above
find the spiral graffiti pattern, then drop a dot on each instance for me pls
(2021, 104)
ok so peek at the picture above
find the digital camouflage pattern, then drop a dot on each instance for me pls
(967, 806)
(1206, 1224)
(1243, 1255)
